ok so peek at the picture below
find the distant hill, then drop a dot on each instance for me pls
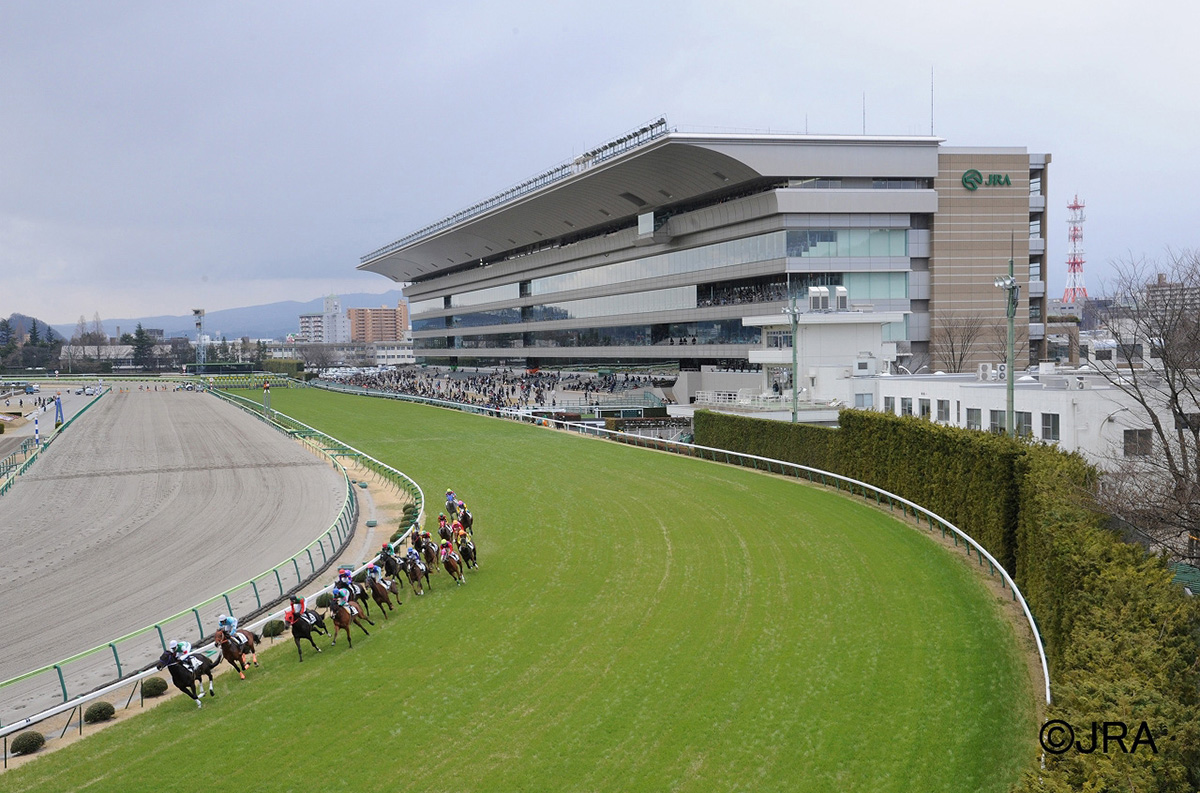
(267, 321)
(19, 325)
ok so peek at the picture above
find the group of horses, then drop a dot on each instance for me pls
(188, 674)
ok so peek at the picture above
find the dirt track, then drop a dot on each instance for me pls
(149, 504)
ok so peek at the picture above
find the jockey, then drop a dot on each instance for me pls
(441, 520)
(180, 649)
(450, 499)
(414, 556)
(344, 579)
(340, 596)
(229, 624)
(296, 610)
(448, 550)
(387, 550)
(374, 573)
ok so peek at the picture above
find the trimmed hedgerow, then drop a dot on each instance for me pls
(1121, 639)
(323, 600)
(274, 628)
(27, 742)
(154, 687)
(99, 711)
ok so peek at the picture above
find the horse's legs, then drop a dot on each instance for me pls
(298, 650)
(211, 690)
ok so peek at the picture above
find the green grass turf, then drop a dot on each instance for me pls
(641, 621)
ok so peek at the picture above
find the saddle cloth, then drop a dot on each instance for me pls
(241, 637)
(192, 662)
(309, 617)
(353, 609)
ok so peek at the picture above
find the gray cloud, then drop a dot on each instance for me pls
(158, 155)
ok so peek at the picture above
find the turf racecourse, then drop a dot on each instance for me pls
(640, 621)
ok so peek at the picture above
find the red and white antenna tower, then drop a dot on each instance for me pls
(1075, 290)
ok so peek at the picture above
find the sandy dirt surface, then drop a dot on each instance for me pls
(152, 502)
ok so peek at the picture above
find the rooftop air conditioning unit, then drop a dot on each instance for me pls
(843, 298)
(985, 371)
(1001, 371)
(818, 298)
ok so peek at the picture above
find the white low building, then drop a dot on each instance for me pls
(1079, 410)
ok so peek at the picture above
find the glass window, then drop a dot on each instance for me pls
(860, 242)
(489, 295)
(925, 412)
(1024, 422)
(709, 257)
(943, 406)
(974, 418)
(1050, 426)
(1138, 443)
(425, 306)
(864, 401)
(889, 405)
(997, 421)
(906, 406)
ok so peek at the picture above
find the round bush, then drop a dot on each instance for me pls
(397, 535)
(99, 711)
(154, 687)
(323, 600)
(274, 628)
(27, 742)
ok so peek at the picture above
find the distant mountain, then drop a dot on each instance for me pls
(267, 321)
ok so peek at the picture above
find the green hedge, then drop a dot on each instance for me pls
(1122, 641)
(154, 687)
(288, 366)
(274, 628)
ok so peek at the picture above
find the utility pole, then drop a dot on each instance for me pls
(1013, 293)
(792, 312)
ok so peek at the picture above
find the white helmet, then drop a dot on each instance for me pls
(223, 619)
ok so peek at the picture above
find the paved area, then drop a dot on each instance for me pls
(150, 503)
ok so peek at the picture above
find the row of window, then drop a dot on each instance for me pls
(1136, 443)
(668, 337)
(797, 243)
(861, 286)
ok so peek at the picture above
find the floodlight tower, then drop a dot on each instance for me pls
(1075, 290)
(198, 313)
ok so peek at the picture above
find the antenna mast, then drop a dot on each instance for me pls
(1075, 291)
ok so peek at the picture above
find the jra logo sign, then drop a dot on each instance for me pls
(973, 179)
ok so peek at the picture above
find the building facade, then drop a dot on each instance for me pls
(651, 249)
(379, 324)
(331, 326)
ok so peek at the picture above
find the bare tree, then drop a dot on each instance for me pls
(996, 342)
(1154, 319)
(316, 357)
(956, 337)
(98, 336)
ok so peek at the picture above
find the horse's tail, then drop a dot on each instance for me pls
(216, 663)
(257, 638)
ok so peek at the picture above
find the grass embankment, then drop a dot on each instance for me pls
(640, 622)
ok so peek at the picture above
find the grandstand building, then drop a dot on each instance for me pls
(652, 249)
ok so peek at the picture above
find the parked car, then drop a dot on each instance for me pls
(89, 391)
(78, 390)
(32, 388)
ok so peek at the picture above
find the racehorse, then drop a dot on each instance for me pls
(233, 654)
(466, 549)
(343, 616)
(415, 573)
(445, 532)
(187, 674)
(382, 592)
(454, 569)
(359, 594)
(303, 628)
(429, 551)
(467, 520)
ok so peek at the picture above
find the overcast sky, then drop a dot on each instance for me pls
(158, 157)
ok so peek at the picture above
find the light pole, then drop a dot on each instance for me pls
(1013, 292)
(792, 311)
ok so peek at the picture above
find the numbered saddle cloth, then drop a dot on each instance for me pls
(242, 638)
(309, 617)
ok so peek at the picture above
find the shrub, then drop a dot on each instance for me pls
(274, 628)
(154, 687)
(99, 711)
(28, 742)
(397, 534)
(324, 600)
